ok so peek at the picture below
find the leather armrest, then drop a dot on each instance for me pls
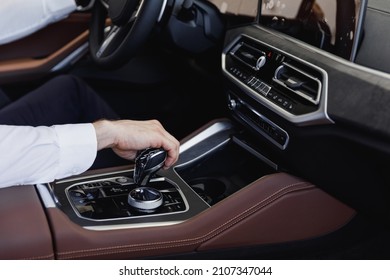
(24, 230)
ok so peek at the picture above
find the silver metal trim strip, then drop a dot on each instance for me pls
(203, 135)
(164, 5)
(72, 58)
(131, 226)
(46, 196)
(195, 158)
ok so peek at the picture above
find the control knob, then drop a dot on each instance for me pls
(145, 198)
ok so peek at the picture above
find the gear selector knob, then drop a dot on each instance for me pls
(147, 163)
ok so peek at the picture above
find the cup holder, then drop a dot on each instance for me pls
(211, 190)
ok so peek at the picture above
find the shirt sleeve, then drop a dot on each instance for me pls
(33, 155)
(22, 18)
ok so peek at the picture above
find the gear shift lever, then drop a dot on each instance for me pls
(147, 163)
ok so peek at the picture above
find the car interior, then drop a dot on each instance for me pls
(281, 112)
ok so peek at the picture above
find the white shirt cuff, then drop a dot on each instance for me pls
(78, 148)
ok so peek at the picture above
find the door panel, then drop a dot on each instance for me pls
(44, 51)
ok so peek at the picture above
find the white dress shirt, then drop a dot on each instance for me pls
(19, 18)
(33, 155)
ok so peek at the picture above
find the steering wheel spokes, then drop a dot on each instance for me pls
(112, 32)
(104, 3)
(131, 23)
(122, 11)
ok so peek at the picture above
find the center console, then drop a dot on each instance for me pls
(213, 165)
(222, 194)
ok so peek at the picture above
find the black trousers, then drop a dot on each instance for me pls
(62, 100)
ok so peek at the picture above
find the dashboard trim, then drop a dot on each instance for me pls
(324, 53)
(268, 121)
(320, 116)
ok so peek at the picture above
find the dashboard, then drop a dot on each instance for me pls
(313, 111)
(294, 88)
(248, 8)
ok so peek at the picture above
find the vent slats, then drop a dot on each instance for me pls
(298, 82)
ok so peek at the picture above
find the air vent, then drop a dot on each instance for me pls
(298, 82)
(249, 55)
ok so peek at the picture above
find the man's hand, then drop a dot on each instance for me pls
(127, 137)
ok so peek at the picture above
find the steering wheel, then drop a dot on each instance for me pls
(129, 24)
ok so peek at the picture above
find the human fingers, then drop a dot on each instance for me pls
(166, 141)
(138, 135)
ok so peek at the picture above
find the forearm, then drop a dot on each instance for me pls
(104, 134)
(32, 155)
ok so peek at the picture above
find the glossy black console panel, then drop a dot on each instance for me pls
(100, 201)
(108, 199)
(224, 171)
